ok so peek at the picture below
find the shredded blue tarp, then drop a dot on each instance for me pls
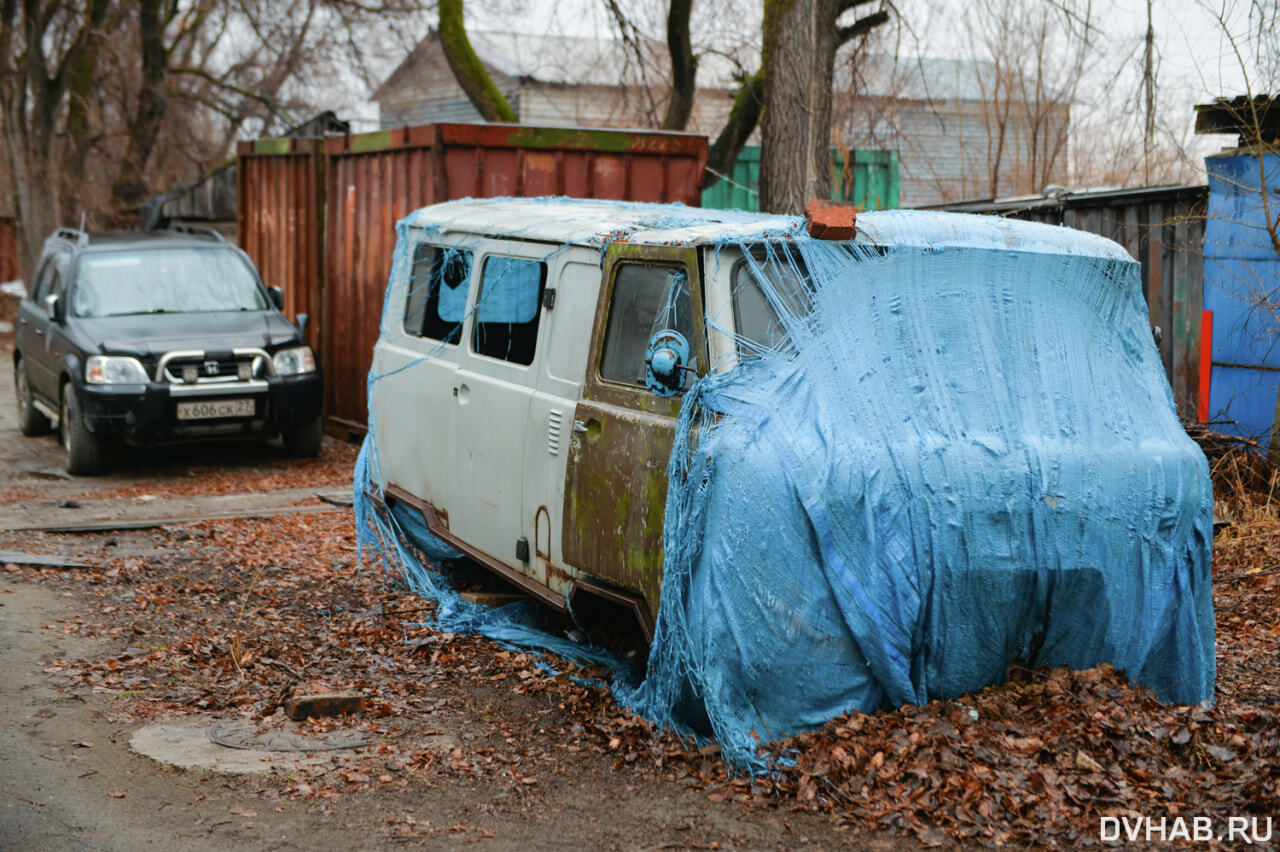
(958, 453)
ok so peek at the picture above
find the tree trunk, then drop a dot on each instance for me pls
(684, 67)
(130, 188)
(467, 68)
(737, 130)
(800, 40)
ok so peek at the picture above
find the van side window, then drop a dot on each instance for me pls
(437, 301)
(507, 309)
(646, 299)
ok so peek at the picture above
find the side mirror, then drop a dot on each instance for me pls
(301, 321)
(277, 297)
(665, 363)
(54, 308)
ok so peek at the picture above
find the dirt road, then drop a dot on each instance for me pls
(89, 657)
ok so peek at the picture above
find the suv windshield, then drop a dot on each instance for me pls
(179, 280)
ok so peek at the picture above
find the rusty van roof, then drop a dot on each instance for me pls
(598, 222)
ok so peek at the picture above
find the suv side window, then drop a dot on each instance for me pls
(44, 280)
(59, 286)
(647, 298)
(508, 308)
(437, 301)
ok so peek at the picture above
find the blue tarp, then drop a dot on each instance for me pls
(962, 455)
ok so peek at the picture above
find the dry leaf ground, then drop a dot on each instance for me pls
(224, 618)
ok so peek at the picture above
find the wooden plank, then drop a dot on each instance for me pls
(1184, 376)
(168, 520)
(37, 560)
(1194, 250)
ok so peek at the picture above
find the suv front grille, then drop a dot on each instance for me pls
(204, 368)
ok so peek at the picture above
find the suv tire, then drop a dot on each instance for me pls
(30, 420)
(84, 449)
(303, 441)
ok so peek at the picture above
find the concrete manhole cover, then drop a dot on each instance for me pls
(234, 733)
(237, 747)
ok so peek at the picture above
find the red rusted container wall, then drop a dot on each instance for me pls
(375, 179)
(318, 216)
(280, 185)
(369, 191)
(10, 261)
(488, 160)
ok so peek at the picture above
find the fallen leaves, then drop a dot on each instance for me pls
(231, 617)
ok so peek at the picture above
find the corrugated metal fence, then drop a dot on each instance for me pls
(1163, 228)
(318, 216)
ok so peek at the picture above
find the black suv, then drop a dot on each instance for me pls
(158, 337)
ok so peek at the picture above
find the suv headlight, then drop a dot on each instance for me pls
(114, 370)
(291, 362)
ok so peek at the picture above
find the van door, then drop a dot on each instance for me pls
(490, 399)
(571, 298)
(415, 367)
(622, 433)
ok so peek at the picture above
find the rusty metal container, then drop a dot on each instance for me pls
(352, 189)
(280, 218)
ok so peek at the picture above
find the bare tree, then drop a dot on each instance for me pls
(801, 35)
(45, 49)
(104, 101)
(1029, 60)
(1255, 115)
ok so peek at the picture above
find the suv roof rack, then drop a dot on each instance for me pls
(81, 238)
(196, 230)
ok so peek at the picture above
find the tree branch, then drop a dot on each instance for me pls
(862, 26)
(230, 87)
(846, 5)
(467, 68)
(737, 129)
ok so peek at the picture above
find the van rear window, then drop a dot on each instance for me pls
(437, 302)
(507, 309)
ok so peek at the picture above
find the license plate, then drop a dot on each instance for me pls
(212, 409)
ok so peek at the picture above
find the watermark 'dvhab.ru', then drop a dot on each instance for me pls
(1199, 829)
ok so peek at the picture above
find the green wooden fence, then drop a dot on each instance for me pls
(873, 183)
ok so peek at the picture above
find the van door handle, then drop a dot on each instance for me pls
(579, 426)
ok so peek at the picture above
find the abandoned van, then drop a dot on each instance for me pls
(834, 473)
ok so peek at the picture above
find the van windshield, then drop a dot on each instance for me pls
(770, 283)
(165, 281)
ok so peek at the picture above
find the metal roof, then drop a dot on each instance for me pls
(1069, 198)
(597, 222)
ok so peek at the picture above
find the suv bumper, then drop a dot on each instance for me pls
(149, 414)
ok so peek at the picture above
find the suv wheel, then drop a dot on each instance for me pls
(30, 420)
(303, 441)
(84, 449)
